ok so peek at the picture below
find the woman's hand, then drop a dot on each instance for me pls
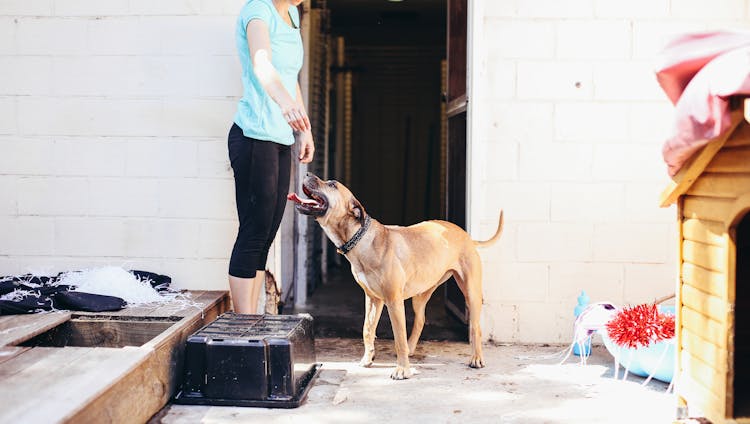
(306, 146)
(295, 115)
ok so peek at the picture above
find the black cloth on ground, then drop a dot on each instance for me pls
(41, 293)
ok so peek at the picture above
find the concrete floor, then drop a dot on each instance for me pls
(520, 384)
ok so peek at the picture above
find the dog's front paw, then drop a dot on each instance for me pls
(401, 373)
(476, 362)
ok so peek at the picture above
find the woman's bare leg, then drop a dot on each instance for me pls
(245, 292)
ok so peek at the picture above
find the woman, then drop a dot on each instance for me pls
(270, 117)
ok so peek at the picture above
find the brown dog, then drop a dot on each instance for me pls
(393, 263)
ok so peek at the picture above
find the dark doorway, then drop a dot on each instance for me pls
(393, 52)
(389, 58)
(456, 113)
(742, 321)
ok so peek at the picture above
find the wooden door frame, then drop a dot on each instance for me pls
(294, 229)
(463, 104)
(475, 161)
(474, 151)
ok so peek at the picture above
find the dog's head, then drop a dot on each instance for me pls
(327, 201)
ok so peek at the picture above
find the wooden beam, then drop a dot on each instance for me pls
(695, 167)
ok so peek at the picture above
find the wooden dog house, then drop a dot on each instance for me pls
(712, 193)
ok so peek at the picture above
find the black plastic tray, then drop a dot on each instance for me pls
(296, 401)
(250, 360)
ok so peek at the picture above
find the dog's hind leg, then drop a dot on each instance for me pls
(373, 309)
(418, 303)
(471, 285)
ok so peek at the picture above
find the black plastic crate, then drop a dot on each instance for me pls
(250, 360)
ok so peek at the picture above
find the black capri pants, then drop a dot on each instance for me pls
(261, 182)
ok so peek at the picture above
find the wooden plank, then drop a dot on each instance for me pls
(678, 289)
(694, 167)
(178, 308)
(711, 377)
(61, 380)
(140, 394)
(125, 385)
(731, 322)
(731, 160)
(128, 311)
(10, 352)
(699, 397)
(29, 358)
(199, 299)
(741, 136)
(708, 208)
(707, 256)
(216, 303)
(708, 305)
(720, 185)
(704, 327)
(705, 280)
(703, 349)
(708, 232)
(114, 333)
(15, 329)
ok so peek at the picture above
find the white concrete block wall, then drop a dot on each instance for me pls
(113, 123)
(569, 121)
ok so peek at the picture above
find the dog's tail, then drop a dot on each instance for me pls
(496, 237)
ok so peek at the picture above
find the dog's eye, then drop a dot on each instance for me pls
(332, 183)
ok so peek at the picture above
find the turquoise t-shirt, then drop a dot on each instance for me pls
(257, 114)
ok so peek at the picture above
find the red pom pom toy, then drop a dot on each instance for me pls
(639, 326)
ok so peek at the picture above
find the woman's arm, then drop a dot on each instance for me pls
(259, 43)
(305, 138)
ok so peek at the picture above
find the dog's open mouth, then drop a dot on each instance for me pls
(315, 204)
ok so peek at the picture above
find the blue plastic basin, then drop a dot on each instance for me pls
(658, 359)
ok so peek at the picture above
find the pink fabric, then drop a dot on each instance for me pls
(699, 73)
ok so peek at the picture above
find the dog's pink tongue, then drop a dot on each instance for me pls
(294, 198)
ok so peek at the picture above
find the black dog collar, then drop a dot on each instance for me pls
(349, 245)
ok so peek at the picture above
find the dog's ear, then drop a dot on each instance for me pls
(357, 209)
